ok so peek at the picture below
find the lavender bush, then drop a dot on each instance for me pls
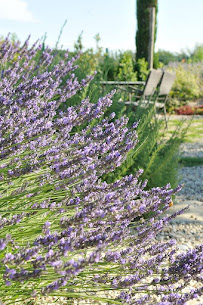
(64, 232)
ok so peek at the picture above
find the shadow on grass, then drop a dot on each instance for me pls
(191, 161)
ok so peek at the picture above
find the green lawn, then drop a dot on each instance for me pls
(194, 128)
(194, 133)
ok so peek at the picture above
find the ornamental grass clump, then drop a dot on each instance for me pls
(65, 232)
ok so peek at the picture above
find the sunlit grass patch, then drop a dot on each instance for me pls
(194, 128)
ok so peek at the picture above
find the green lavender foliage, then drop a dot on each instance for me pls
(155, 153)
(142, 33)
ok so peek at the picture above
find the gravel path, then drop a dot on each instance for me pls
(187, 229)
(191, 150)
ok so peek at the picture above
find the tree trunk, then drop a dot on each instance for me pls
(143, 24)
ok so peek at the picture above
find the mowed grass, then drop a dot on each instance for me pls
(194, 133)
(194, 128)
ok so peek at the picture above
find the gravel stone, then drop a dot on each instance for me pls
(194, 150)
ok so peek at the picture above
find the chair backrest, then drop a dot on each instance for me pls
(166, 82)
(153, 79)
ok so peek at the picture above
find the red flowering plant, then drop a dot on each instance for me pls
(189, 110)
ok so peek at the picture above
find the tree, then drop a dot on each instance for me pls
(142, 33)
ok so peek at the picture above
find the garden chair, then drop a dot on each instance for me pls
(164, 89)
(145, 96)
(126, 87)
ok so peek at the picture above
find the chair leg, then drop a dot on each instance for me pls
(155, 114)
(155, 110)
(165, 115)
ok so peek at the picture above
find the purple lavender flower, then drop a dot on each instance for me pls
(62, 227)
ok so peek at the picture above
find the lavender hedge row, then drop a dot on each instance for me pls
(64, 232)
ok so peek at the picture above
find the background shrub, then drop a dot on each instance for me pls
(188, 81)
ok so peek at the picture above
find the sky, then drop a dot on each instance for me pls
(180, 22)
